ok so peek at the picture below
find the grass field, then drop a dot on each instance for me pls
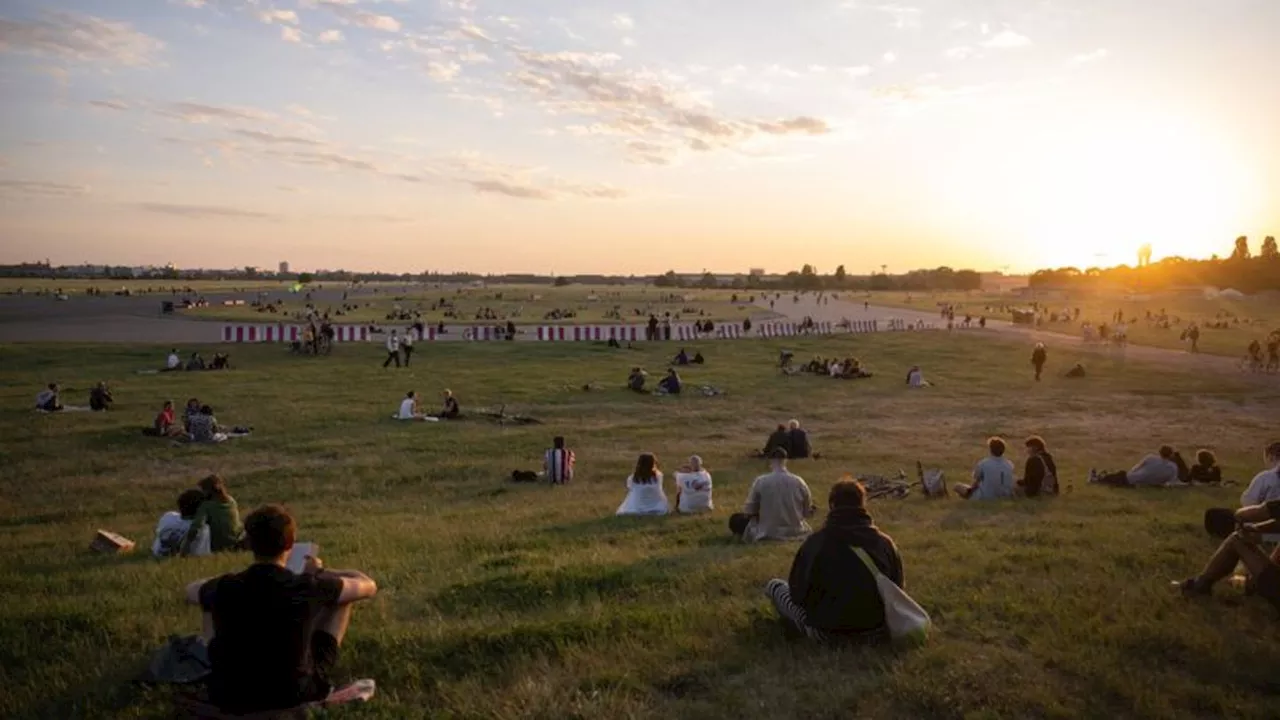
(503, 601)
(1263, 314)
(522, 304)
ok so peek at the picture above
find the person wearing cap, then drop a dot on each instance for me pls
(777, 505)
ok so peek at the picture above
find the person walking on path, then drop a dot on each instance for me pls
(1038, 358)
(393, 350)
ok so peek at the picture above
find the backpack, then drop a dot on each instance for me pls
(934, 482)
(182, 661)
(1049, 485)
(906, 621)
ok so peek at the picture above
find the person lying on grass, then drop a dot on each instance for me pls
(48, 400)
(644, 489)
(992, 477)
(1243, 547)
(830, 595)
(693, 488)
(273, 635)
(171, 531)
(218, 511)
(777, 505)
(1152, 471)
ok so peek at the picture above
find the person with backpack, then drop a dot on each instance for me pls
(1040, 474)
(1038, 358)
(830, 594)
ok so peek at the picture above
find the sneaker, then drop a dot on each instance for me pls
(1188, 588)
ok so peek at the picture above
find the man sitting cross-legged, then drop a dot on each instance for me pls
(831, 595)
(1242, 546)
(777, 505)
(274, 635)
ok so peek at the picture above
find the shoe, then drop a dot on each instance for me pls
(1188, 588)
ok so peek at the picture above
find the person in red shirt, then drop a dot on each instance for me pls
(165, 425)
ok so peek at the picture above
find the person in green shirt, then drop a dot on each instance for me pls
(220, 513)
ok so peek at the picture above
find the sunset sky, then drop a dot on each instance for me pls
(558, 136)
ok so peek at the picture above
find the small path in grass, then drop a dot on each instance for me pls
(832, 310)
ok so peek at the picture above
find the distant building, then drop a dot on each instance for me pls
(284, 267)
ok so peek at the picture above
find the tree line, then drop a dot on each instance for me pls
(808, 278)
(1242, 270)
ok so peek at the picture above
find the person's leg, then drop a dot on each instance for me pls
(1223, 562)
(334, 620)
(1117, 479)
(792, 615)
(387, 362)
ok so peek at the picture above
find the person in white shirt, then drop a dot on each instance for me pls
(992, 477)
(393, 349)
(406, 346)
(693, 488)
(173, 528)
(557, 464)
(409, 408)
(915, 378)
(174, 362)
(1265, 486)
(1152, 471)
(777, 505)
(644, 489)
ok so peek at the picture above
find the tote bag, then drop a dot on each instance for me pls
(906, 620)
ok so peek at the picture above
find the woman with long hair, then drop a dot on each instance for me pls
(644, 489)
(219, 511)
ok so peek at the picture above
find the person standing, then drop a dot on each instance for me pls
(1038, 358)
(393, 350)
(406, 345)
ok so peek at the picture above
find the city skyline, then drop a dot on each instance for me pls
(503, 137)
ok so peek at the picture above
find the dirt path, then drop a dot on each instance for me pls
(837, 310)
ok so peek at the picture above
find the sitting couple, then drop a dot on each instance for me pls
(993, 477)
(207, 521)
(792, 438)
(409, 408)
(645, 495)
(1163, 468)
(273, 634)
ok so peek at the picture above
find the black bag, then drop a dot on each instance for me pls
(1219, 522)
(182, 661)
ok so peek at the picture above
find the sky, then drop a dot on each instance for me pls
(551, 136)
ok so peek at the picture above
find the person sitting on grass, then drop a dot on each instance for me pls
(274, 635)
(47, 399)
(1152, 471)
(693, 488)
(915, 378)
(777, 505)
(217, 510)
(671, 384)
(165, 425)
(173, 362)
(698, 359)
(451, 409)
(636, 380)
(644, 489)
(681, 358)
(798, 446)
(1265, 486)
(1206, 470)
(191, 410)
(203, 427)
(1243, 547)
(221, 361)
(171, 531)
(409, 407)
(100, 398)
(779, 438)
(195, 362)
(1040, 475)
(992, 477)
(1077, 371)
(831, 595)
(557, 463)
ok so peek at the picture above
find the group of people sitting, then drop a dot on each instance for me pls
(646, 496)
(221, 361)
(849, 368)
(207, 521)
(50, 398)
(670, 384)
(790, 437)
(199, 424)
(993, 476)
(410, 410)
(683, 358)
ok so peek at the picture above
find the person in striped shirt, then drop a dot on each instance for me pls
(558, 463)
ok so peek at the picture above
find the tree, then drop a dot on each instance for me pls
(1269, 250)
(561, 281)
(808, 270)
(840, 275)
(1241, 251)
(667, 280)
(305, 278)
(708, 281)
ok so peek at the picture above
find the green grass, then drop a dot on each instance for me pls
(522, 304)
(1259, 314)
(503, 601)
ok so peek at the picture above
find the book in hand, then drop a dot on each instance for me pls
(298, 556)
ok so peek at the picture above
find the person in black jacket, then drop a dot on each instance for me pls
(779, 438)
(1038, 358)
(798, 447)
(1040, 475)
(831, 595)
(1206, 469)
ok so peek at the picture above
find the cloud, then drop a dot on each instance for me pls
(299, 110)
(38, 188)
(957, 54)
(1007, 39)
(857, 71)
(203, 211)
(278, 16)
(804, 125)
(290, 35)
(330, 36)
(117, 105)
(443, 72)
(474, 32)
(644, 152)
(200, 113)
(623, 21)
(889, 58)
(274, 139)
(1090, 57)
(903, 17)
(79, 38)
(503, 187)
(346, 10)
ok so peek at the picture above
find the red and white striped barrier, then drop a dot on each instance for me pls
(588, 333)
(483, 333)
(289, 333)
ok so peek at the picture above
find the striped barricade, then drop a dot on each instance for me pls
(245, 333)
(484, 333)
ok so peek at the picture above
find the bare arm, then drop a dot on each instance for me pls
(192, 592)
(356, 586)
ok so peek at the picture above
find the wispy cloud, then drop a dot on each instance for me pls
(1090, 57)
(278, 16)
(290, 34)
(117, 105)
(204, 211)
(1007, 39)
(443, 71)
(622, 21)
(329, 37)
(79, 38)
(39, 188)
(348, 12)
